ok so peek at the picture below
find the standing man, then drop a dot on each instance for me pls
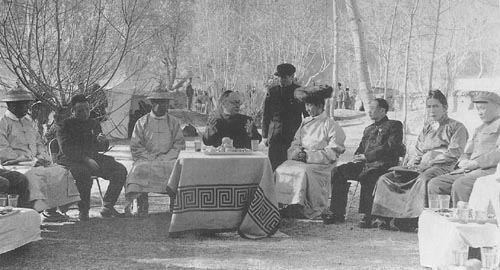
(189, 94)
(282, 115)
(481, 155)
(379, 149)
(81, 139)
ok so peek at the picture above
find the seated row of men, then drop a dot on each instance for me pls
(442, 165)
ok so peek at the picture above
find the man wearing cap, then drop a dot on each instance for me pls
(155, 144)
(22, 147)
(481, 155)
(81, 139)
(282, 115)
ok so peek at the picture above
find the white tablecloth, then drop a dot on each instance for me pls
(19, 229)
(438, 237)
(225, 192)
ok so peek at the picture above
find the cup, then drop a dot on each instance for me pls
(460, 256)
(3, 200)
(433, 201)
(197, 145)
(13, 200)
(481, 216)
(444, 201)
(463, 215)
(489, 258)
(255, 145)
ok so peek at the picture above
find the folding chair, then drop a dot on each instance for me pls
(54, 150)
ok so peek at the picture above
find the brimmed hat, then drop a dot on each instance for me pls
(17, 94)
(486, 97)
(313, 94)
(284, 70)
(160, 94)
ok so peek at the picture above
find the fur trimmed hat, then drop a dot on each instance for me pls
(314, 94)
(17, 94)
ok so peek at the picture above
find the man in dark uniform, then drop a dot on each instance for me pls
(81, 139)
(380, 149)
(282, 115)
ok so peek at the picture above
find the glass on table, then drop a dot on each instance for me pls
(433, 201)
(489, 257)
(13, 198)
(460, 255)
(480, 216)
(255, 145)
(197, 145)
(3, 200)
(444, 201)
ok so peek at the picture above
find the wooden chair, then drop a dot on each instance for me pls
(54, 150)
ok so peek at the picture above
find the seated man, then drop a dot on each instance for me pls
(81, 139)
(379, 149)
(228, 122)
(303, 181)
(481, 155)
(155, 144)
(49, 187)
(12, 182)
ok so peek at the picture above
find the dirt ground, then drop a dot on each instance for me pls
(144, 243)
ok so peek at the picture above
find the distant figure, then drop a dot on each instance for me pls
(339, 97)
(189, 94)
(346, 100)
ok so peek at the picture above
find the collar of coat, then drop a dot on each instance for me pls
(10, 115)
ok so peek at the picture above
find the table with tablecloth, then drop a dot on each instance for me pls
(224, 192)
(438, 236)
(18, 228)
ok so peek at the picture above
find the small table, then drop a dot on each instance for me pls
(19, 228)
(223, 193)
(438, 237)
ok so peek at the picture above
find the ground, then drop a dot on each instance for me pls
(144, 243)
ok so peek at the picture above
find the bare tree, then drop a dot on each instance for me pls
(436, 31)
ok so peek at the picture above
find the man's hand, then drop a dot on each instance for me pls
(359, 158)
(212, 124)
(299, 155)
(249, 127)
(101, 138)
(42, 162)
(92, 164)
(468, 164)
(266, 141)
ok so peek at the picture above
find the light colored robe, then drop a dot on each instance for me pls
(155, 145)
(49, 186)
(308, 184)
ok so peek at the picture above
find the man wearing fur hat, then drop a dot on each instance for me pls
(379, 149)
(155, 145)
(282, 115)
(303, 181)
(481, 155)
(21, 145)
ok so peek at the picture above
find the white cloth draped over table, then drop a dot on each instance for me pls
(485, 194)
(155, 145)
(308, 184)
(18, 229)
(49, 186)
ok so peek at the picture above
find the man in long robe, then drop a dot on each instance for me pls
(50, 185)
(155, 144)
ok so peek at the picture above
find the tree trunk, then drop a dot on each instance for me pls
(431, 72)
(407, 60)
(359, 50)
(335, 53)
(389, 49)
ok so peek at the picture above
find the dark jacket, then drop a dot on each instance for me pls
(232, 127)
(282, 114)
(78, 139)
(382, 143)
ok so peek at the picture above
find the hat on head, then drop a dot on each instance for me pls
(486, 97)
(315, 94)
(17, 94)
(160, 94)
(284, 70)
